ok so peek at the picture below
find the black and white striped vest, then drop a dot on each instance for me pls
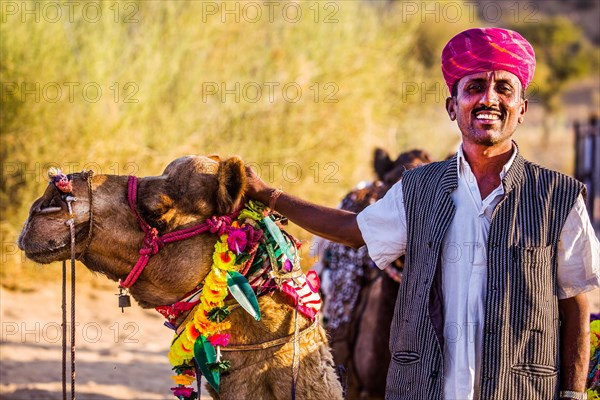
(520, 356)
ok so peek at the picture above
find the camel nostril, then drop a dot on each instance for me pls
(49, 210)
(48, 206)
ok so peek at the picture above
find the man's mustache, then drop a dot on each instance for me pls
(496, 110)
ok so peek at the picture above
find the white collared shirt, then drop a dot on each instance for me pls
(464, 266)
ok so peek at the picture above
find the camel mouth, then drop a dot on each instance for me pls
(42, 257)
(46, 253)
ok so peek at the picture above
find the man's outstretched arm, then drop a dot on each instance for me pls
(330, 223)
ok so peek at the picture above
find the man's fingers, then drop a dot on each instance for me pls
(251, 175)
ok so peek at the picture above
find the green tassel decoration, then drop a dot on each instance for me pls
(278, 236)
(205, 355)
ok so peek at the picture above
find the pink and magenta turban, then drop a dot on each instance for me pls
(487, 49)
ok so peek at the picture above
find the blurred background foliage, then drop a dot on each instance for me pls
(564, 54)
(304, 97)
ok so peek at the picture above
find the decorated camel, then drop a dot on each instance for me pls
(360, 298)
(221, 271)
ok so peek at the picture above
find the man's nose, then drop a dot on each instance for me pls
(489, 97)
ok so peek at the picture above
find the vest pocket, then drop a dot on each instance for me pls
(533, 273)
(406, 357)
(533, 256)
(534, 370)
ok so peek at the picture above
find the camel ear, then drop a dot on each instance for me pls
(231, 178)
(382, 163)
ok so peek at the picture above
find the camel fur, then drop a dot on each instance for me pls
(190, 190)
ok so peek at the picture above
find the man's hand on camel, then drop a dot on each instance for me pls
(256, 188)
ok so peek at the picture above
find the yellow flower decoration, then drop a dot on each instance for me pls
(203, 309)
(200, 318)
(218, 276)
(595, 327)
(594, 336)
(221, 247)
(183, 379)
(225, 260)
(178, 351)
(174, 359)
(213, 296)
(191, 332)
(216, 279)
(223, 326)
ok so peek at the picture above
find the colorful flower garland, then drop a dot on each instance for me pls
(203, 336)
(594, 371)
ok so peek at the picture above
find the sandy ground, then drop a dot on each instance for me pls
(119, 355)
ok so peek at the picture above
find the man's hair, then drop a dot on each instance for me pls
(455, 91)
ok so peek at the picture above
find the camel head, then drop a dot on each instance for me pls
(45, 237)
(190, 190)
(390, 172)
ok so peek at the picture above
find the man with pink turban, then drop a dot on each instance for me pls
(499, 251)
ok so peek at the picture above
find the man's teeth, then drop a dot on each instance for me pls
(487, 116)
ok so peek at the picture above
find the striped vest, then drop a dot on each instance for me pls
(520, 358)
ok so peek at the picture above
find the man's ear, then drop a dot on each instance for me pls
(231, 178)
(382, 163)
(451, 107)
(523, 110)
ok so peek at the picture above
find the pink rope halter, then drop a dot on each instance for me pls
(153, 242)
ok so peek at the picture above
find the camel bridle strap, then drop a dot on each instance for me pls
(71, 224)
(273, 343)
(69, 199)
(88, 175)
(153, 242)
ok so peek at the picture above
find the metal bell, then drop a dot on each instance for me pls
(124, 299)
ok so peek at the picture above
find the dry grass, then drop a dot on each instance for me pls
(158, 77)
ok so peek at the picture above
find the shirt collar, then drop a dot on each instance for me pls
(461, 161)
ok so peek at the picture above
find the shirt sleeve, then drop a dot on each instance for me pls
(383, 227)
(578, 254)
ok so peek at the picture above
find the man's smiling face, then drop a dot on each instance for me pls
(487, 106)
